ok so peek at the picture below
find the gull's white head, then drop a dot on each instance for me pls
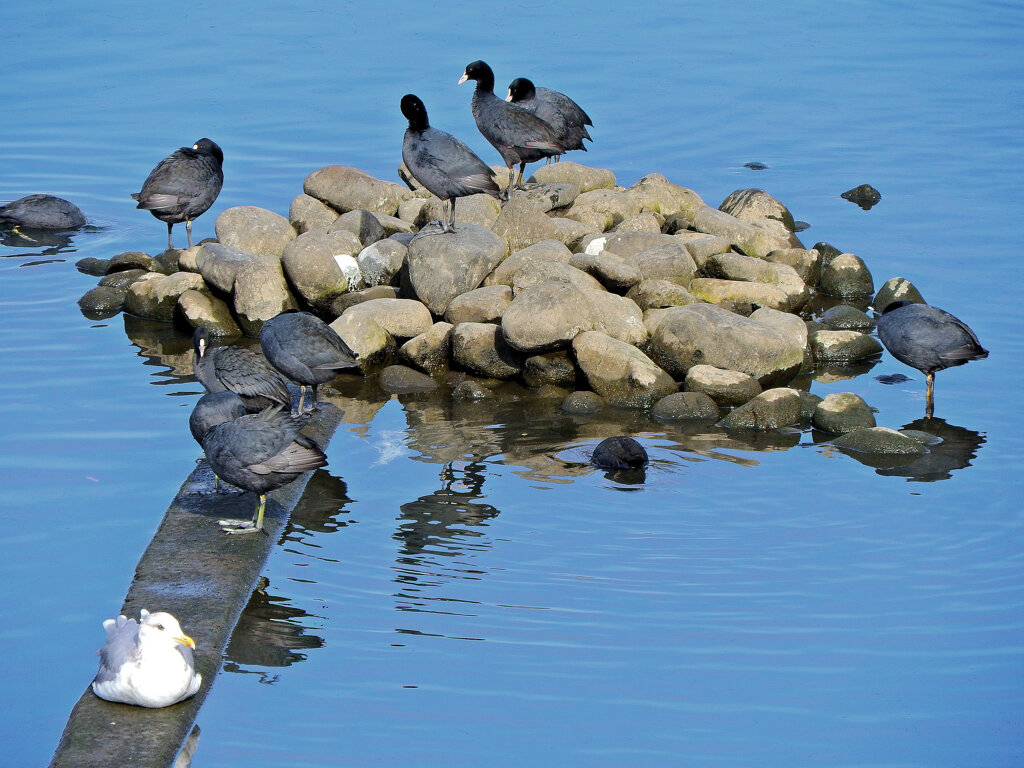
(162, 626)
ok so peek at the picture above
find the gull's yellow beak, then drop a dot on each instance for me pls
(186, 640)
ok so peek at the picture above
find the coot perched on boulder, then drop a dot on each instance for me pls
(442, 163)
(41, 212)
(519, 136)
(305, 349)
(260, 452)
(240, 370)
(929, 339)
(556, 109)
(183, 186)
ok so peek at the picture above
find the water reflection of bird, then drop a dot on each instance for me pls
(240, 370)
(148, 664)
(306, 350)
(619, 452)
(556, 109)
(519, 136)
(928, 339)
(957, 449)
(183, 186)
(260, 452)
(269, 633)
(442, 163)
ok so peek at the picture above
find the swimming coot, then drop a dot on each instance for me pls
(260, 452)
(928, 339)
(519, 136)
(148, 664)
(242, 371)
(556, 109)
(619, 452)
(441, 162)
(183, 186)
(305, 349)
(41, 212)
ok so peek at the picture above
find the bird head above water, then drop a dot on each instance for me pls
(520, 89)
(209, 147)
(481, 72)
(414, 111)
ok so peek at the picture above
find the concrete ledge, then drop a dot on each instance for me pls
(205, 578)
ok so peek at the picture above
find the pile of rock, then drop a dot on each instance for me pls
(638, 297)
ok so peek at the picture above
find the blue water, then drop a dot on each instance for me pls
(448, 593)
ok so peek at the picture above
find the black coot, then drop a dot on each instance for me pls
(519, 136)
(441, 162)
(212, 409)
(619, 452)
(242, 371)
(929, 339)
(183, 186)
(41, 212)
(556, 109)
(305, 349)
(259, 452)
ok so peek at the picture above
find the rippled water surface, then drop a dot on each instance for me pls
(452, 589)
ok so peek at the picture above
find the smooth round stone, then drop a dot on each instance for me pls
(583, 402)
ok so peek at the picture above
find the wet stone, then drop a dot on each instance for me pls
(896, 289)
(842, 412)
(686, 406)
(399, 379)
(582, 402)
(843, 317)
(772, 409)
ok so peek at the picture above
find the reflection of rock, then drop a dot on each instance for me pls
(958, 447)
(160, 344)
(268, 634)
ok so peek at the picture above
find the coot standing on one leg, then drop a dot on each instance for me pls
(556, 109)
(260, 452)
(183, 186)
(442, 163)
(519, 136)
(929, 339)
(239, 370)
(305, 349)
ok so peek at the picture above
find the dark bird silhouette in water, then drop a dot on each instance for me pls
(929, 339)
(240, 370)
(260, 452)
(306, 350)
(564, 115)
(442, 163)
(619, 452)
(183, 186)
(519, 136)
(41, 212)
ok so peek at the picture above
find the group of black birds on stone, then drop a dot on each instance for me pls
(245, 423)
(530, 124)
(249, 438)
